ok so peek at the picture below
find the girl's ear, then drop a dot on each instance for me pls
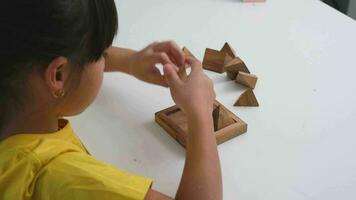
(55, 76)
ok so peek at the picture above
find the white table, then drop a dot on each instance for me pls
(301, 141)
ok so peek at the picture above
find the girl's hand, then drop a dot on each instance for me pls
(194, 94)
(143, 63)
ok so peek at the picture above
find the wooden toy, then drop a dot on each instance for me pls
(235, 66)
(221, 118)
(246, 79)
(247, 98)
(226, 124)
(224, 60)
(182, 71)
(187, 52)
(229, 50)
(215, 60)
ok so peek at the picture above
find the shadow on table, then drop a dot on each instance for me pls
(221, 79)
(164, 138)
(115, 104)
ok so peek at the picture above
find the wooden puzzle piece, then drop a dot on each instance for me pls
(215, 60)
(228, 50)
(246, 79)
(188, 53)
(174, 125)
(235, 66)
(182, 73)
(179, 119)
(221, 118)
(247, 98)
(231, 74)
(174, 121)
(182, 69)
(216, 114)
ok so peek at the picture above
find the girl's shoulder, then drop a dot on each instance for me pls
(81, 176)
(57, 165)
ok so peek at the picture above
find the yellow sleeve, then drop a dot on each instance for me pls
(79, 176)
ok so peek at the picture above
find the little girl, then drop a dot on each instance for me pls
(53, 56)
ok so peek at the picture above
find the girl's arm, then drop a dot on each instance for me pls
(118, 59)
(201, 177)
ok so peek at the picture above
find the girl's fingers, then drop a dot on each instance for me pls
(196, 66)
(171, 75)
(157, 78)
(172, 49)
(161, 58)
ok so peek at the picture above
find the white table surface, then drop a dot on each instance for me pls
(301, 141)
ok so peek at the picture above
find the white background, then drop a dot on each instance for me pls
(301, 141)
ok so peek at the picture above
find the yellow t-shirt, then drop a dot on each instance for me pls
(57, 166)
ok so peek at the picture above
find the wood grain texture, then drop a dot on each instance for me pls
(182, 73)
(234, 130)
(230, 132)
(173, 121)
(215, 60)
(221, 118)
(187, 52)
(247, 98)
(174, 129)
(246, 79)
(235, 66)
(228, 50)
(182, 69)
(216, 114)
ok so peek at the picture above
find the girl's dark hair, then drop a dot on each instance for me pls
(34, 32)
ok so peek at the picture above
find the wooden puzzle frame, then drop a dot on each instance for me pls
(174, 122)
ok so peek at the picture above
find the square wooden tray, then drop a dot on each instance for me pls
(174, 121)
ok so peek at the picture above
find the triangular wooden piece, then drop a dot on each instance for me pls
(234, 66)
(246, 79)
(215, 60)
(182, 69)
(221, 118)
(216, 113)
(182, 73)
(228, 59)
(224, 119)
(247, 98)
(237, 65)
(229, 50)
(231, 74)
(188, 53)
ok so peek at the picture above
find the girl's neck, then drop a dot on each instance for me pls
(34, 123)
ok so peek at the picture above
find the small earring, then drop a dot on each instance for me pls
(59, 93)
